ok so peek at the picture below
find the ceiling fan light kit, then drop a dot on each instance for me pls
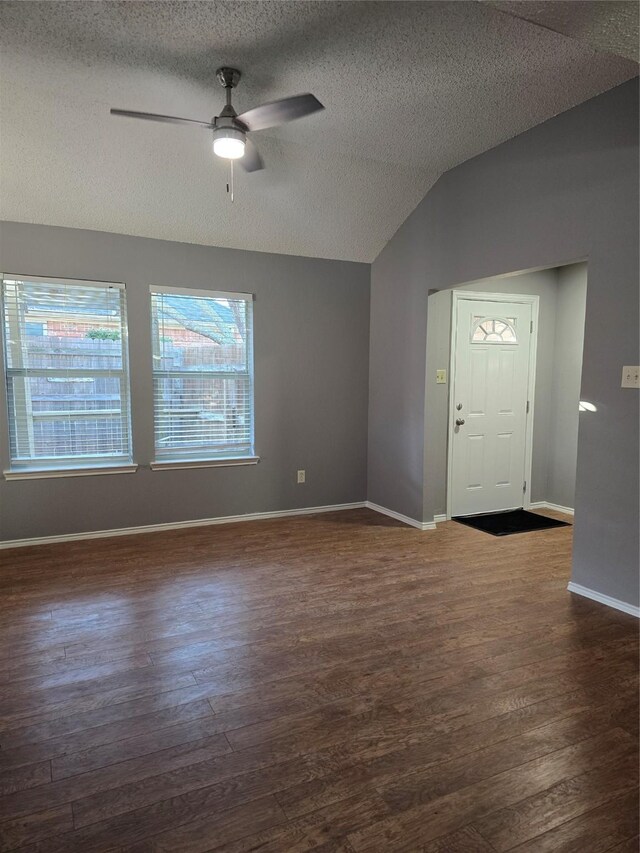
(228, 142)
(230, 130)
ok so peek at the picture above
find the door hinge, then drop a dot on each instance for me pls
(531, 326)
(527, 407)
(524, 486)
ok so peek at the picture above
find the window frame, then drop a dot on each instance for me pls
(66, 466)
(172, 460)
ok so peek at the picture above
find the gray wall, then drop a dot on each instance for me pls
(563, 191)
(563, 438)
(557, 389)
(311, 332)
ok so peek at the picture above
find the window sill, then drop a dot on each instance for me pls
(46, 473)
(174, 464)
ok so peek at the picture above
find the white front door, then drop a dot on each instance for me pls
(492, 345)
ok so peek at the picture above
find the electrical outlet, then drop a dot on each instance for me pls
(302, 476)
(441, 377)
(630, 377)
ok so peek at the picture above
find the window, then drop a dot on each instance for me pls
(203, 376)
(66, 373)
(493, 330)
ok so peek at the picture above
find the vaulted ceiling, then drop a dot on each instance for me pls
(410, 89)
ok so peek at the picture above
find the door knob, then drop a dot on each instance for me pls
(459, 421)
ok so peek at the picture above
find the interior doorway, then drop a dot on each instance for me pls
(555, 401)
(493, 361)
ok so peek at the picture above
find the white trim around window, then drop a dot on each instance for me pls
(51, 473)
(82, 282)
(172, 465)
(66, 369)
(203, 294)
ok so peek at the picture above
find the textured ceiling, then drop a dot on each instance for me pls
(411, 89)
(609, 25)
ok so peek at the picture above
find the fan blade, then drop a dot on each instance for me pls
(156, 117)
(251, 160)
(279, 112)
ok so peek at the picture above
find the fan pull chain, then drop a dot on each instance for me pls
(230, 181)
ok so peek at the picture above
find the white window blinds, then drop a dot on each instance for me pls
(203, 374)
(66, 373)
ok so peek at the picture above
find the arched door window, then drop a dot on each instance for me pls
(493, 330)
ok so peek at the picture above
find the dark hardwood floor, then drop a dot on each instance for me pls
(336, 682)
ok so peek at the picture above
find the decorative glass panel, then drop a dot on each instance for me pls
(494, 330)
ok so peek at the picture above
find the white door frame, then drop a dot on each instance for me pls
(481, 296)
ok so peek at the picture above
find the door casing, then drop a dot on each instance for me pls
(477, 296)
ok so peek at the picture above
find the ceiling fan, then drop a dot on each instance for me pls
(230, 130)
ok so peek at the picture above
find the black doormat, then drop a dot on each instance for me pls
(512, 521)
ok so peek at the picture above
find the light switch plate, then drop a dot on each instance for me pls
(630, 377)
(441, 377)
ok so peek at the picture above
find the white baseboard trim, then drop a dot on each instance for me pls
(568, 510)
(439, 517)
(176, 525)
(600, 597)
(421, 525)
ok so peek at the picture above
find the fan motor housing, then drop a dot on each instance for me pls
(229, 122)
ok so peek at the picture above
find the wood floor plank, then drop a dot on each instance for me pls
(424, 817)
(36, 827)
(239, 776)
(337, 683)
(418, 773)
(395, 714)
(466, 840)
(82, 740)
(325, 831)
(597, 830)
(95, 746)
(562, 802)
(202, 807)
(112, 776)
(213, 831)
(10, 662)
(422, 662)
(632, 845)
(132, 747)
(49, 724)
(86, 697)
(26, 776)
(61, 673)
(316, 785)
